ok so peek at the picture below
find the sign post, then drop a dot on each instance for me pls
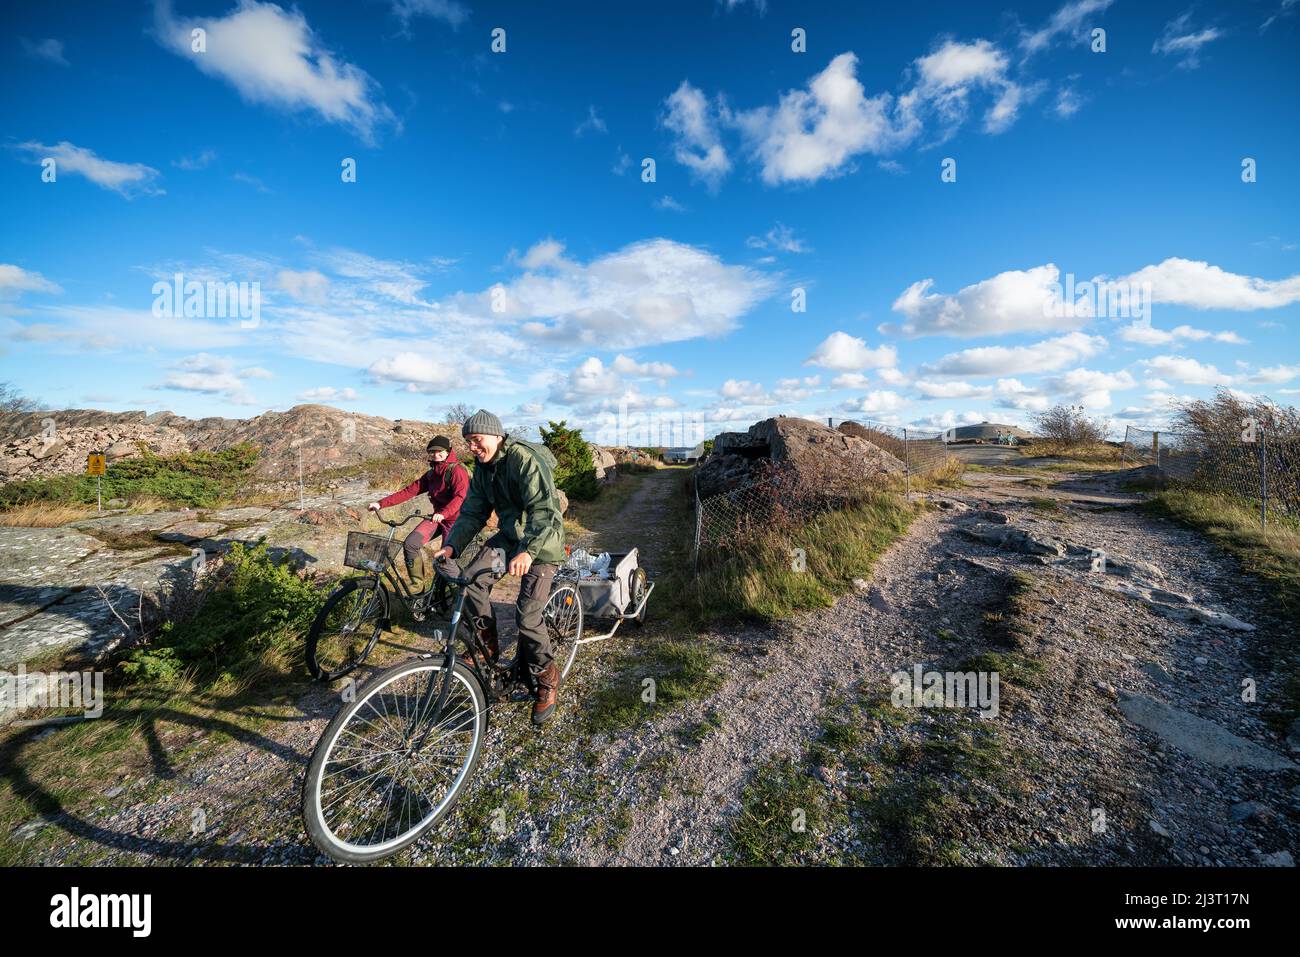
(96, 466)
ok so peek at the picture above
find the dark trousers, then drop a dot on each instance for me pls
(534, 590)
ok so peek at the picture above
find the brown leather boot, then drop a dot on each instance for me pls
(487, 633)
(548, 684)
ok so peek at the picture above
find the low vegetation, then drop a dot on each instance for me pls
(777, 568)
(1068, 427)
(194, 479)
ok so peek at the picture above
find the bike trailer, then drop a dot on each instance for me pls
(608, 597)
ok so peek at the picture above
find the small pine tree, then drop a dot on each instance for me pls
(575, 471)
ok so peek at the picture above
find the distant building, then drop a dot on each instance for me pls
(684, 454)
(984, 432)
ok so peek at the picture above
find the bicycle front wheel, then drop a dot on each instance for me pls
(387, 769)
(347, 627)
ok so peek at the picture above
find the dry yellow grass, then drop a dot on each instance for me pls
(44, 515)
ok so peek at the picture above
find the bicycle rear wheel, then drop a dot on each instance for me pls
(563, 618)
(368, 793)
(346, 628)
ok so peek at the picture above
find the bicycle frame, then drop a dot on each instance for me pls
(449, 662)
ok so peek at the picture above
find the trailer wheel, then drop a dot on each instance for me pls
(637, 586)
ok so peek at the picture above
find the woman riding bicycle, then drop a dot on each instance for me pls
(446, 483)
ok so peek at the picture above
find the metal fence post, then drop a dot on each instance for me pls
(1155, 447)
(907, 465)
(1263, 478)
(695, 559)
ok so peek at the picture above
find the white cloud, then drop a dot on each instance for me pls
(845, 353)
(447, 10)
(670, 204)
(698, 145)
(1186, 282)
(1072, 20)
(48, 49)
(592, 386)
(876, 403)
(626, 365)
(309, 286)
(950, 419)
(796, 389)
(272, 56)
(1012, 301)
(1273, 375)
(1045, 356)
(952, 390)
(744, 391)
(327, 393)
(1187, 371)
(191, 163)
(780, 237)
(653, 291)
(1144, 333)
(418, 372)
(592, 123)
(128, 179)
(814, 132)
(15, 280)
(213, 375)
(545, 254)
(1014, 394)
(1089, 387)
(1068, 102)
(950, 75)
(850, 380)
(1181, 39)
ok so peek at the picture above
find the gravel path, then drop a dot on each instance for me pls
(1102, 730)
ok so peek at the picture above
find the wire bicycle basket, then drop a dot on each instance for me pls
(370, 553)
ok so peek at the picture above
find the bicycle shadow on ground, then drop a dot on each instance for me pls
(49, 806)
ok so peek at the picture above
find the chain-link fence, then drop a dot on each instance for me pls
(780, 494)
(1255, 465)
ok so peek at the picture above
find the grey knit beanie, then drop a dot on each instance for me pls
(482, 422)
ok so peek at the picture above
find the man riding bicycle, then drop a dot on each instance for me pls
(517, 480)
(446, 484)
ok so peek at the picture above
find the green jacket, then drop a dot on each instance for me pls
(519, 482)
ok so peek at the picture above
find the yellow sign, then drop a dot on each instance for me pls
(95, 464)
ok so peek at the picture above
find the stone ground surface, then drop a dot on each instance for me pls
(1139, 711)
(49, 577)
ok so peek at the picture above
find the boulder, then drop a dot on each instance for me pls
(821, 457)
(606, 464)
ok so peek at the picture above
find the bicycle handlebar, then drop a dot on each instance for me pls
(415, 514)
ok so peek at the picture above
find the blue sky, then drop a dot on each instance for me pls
(501, 246)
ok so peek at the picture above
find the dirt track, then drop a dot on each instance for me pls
(1099, 729)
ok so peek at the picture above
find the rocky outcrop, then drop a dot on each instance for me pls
(625, 455)
(328, 438)
(818, 454)
(55, 449)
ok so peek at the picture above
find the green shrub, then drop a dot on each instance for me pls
(259, 605)
(575, 471)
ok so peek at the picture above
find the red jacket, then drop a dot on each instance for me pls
(445, 483)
